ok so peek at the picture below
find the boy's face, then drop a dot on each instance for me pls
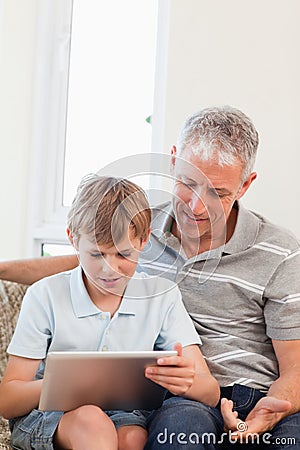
(109, 268)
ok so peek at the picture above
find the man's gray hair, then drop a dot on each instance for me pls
(224, 133)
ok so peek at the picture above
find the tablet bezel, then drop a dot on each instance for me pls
(111, 380)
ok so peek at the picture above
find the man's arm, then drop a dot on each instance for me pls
(286, 387)
(28, 271)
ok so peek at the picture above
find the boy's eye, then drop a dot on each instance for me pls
(125, 255)
(96, 255)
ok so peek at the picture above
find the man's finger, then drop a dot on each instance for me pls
(229, 416)
(273, 404)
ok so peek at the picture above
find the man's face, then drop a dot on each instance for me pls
(203, 196)
(108, 269)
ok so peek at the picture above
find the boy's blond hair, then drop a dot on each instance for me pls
(108, 209)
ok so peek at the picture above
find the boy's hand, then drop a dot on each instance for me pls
(175, 373)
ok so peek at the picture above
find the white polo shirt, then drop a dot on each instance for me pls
(57, 314)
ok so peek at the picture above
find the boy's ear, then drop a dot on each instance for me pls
(71, 238)
(144, 241)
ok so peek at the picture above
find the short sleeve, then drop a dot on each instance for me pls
(177, 325)
(33, 331)
(282, 293)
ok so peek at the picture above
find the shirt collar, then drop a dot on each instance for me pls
(163, 219)
(245, 232)
(243, 237)
(83, 305)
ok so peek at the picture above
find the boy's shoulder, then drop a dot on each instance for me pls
(57, 281)
(152, 286)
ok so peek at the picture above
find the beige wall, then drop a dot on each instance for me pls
(243, 53)
(17, 52)
(246, 54)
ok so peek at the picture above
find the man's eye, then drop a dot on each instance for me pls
(215, 193)
(189, 185)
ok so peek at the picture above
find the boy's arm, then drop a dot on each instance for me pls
(28, 271)
(186, 375)
(19, 392)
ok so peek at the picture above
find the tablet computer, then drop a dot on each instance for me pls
(111, 380)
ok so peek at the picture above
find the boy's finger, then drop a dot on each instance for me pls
(178, 348)
(170, 361)
(169, 371)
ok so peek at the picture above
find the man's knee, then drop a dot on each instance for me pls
(286, 434)
(184, 422)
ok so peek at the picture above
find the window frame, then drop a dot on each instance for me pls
(46, 220)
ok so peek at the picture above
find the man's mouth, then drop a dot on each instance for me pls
(195, 218)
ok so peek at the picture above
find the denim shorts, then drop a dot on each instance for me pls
(36, 430)
(123, 418)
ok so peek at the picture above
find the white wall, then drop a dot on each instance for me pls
(17, 53)
(246, 54)
(243, 53)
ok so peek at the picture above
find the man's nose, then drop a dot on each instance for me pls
(197, 204)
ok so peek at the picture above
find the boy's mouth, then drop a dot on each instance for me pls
(109, 281)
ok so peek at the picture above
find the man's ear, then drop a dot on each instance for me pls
(247, 183)
(173, 159)
(71, 238)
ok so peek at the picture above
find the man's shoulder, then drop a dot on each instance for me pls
(270, 233)
(162, 208)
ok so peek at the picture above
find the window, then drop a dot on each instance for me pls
(94, 96)
(111, 85)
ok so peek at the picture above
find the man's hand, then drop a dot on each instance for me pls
(262, 418)
(175, 373)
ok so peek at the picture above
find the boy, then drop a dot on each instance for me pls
(101, 305)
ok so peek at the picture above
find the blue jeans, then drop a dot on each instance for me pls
(189, 425)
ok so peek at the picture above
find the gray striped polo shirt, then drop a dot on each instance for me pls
(239, 296)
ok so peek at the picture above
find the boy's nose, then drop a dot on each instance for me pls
(108, 266)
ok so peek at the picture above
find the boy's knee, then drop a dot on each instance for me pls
(91, 418)
(131, 436)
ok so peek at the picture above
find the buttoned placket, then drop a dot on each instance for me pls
(104, 316)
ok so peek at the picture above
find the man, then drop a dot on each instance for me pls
(239, 277)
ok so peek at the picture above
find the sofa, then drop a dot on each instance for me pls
(11, 295)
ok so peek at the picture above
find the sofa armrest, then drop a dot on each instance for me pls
(4, 435)
(11, 296)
